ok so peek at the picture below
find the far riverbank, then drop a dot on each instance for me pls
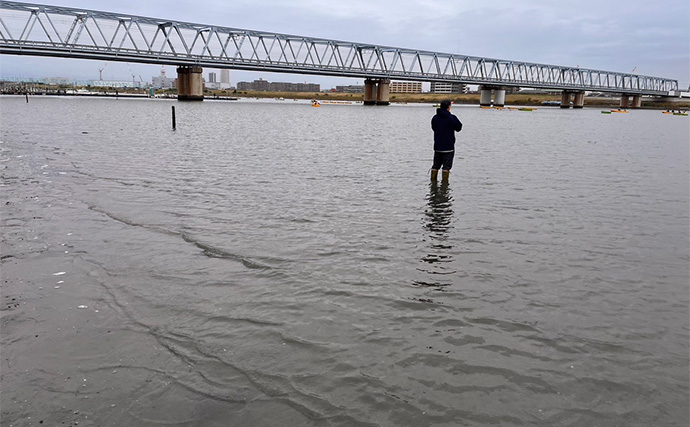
(526, 99)
(457, 98)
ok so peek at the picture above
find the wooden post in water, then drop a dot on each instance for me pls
(27, 96)
(173, 118)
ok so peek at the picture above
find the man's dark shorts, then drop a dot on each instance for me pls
(445, 159)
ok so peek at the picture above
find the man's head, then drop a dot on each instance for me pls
(445, 104)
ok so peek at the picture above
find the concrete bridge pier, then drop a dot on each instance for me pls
(499, 96)
(485, 97)
(579, 101)
(625, 101)
(565, 99)
(383, 94)
(190, 84)
(377, 92)
(369, 92)
(637, 101)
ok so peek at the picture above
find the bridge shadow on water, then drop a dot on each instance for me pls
(438, 215)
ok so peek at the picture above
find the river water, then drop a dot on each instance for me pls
(273, 264)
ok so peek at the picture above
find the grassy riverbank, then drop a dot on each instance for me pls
(527, 99)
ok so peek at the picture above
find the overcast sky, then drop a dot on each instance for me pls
(613, 35)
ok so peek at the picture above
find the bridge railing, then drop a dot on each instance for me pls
(35, 29)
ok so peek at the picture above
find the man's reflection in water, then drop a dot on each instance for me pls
(438, 216)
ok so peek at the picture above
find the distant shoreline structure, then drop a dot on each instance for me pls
(525, 99)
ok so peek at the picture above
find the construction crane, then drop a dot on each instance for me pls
(134, 77)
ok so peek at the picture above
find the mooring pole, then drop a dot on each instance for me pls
(27, 96)
(173, 118)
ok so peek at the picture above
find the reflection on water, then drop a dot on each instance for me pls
(438, 218)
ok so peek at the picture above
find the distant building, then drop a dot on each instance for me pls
(295, 87)
(224, 80)
(256, 85)
(162, 81)
(264, 86)
(212, 82)
(116, 83)
(447, 87)
(406, 87)
(350, 89)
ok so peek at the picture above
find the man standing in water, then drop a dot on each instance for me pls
(444, 126)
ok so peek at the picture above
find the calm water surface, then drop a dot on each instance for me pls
(273, 264)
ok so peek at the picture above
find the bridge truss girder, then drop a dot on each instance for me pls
(41, 30)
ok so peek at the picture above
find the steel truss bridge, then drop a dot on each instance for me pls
(42, 30)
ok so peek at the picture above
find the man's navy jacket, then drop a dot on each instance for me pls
(445, 125)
